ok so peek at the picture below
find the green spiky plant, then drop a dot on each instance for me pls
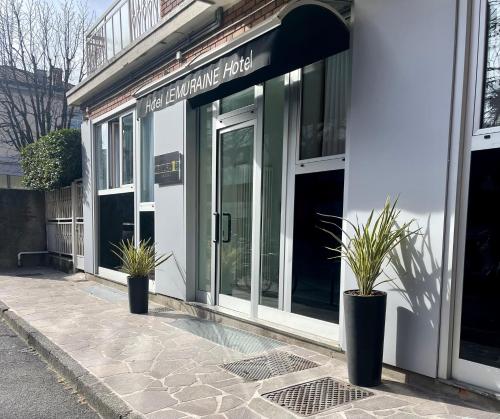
(138, 261)
(371, 245)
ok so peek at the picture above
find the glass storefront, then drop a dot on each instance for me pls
(281, 141)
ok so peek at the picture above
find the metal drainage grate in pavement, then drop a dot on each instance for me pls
(267, 366)
(313, 397)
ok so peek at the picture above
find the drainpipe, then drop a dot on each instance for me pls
(20, 254)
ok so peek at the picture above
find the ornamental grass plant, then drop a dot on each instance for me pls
(138, 261)
(370, 247)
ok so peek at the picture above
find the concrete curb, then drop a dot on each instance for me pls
(107, 403)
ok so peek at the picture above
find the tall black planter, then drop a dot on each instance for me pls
(138, 288)
(364, 318)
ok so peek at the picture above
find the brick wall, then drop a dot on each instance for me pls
(236, 20)
(166, 6)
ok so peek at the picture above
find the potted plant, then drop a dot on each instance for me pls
(138, 262)
(367, 251)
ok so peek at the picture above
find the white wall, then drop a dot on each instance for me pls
(170, 218)
(88, 199)
(399, 127)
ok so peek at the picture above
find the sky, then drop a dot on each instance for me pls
(99, 6)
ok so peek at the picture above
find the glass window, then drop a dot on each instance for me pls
(127, 149)
(480, 325)
(116, 223)
(325, 89)
(237, 100)
(147, 226)
(101, 136)
(114, 154)
(315, 277)
(272, 155)
(205, 199)
(147, 158)
(491, 93)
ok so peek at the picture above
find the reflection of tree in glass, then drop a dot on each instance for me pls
(491, 103)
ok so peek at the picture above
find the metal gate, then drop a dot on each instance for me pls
(64, 213)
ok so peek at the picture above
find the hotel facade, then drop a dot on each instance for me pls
(220, 130)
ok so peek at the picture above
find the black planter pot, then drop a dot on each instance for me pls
(138, 288)
(364, 326)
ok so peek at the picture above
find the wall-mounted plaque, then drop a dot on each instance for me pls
(168, 169)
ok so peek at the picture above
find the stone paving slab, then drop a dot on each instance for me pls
(166, 371)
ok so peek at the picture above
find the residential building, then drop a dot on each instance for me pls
(222, 130)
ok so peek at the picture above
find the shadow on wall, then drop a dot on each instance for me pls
(412, 271)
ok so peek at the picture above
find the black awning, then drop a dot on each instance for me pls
(307, 34)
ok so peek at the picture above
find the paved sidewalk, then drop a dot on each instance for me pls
(167, 364)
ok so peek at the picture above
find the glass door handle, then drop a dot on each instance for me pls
(227, 216)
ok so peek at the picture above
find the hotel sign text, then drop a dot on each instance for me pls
(243, 61)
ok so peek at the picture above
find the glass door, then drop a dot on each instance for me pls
(476, 338)
(236, 146)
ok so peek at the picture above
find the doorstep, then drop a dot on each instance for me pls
(318, 344)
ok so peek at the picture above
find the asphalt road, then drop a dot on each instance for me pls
(28, 389)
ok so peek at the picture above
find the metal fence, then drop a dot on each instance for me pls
(64, 213)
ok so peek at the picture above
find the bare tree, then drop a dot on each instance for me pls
(42, 56)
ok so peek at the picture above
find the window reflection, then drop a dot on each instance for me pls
(491, 95)
(325, 89)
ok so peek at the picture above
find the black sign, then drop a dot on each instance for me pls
(241, 62)
(168, 169)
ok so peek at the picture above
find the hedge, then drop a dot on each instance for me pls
(53, 161)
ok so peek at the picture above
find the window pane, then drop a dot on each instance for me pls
(114, 154)
(101, 136)
(205, 199)
(491, 93)
(147, 226)
(116, 223)
(316, 279)
(147, 159)
(127, 149)
(272, 155)
(238, 100)
(480, 325)
(325, 91)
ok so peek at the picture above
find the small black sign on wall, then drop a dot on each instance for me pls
(168, 169)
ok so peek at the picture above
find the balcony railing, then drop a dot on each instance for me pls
(123, 23)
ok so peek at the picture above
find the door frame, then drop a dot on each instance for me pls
(222, 123)
(473, 140)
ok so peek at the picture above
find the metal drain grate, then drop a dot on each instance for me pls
(316, 396)
(267, 366)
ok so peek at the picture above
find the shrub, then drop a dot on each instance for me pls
(369, 248)
(140, 261)
(53, 161)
